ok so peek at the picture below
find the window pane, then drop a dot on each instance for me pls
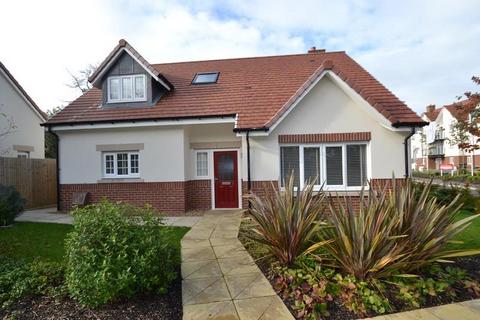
(139, 88)
(311, 163)
(334, 165)
(114, 93)
(127, 88)
(289, 164)
(226, 167)
(109, 164)
(202, 164)
(205, 78)
(134, 163)
(356, 165)
(122, 164)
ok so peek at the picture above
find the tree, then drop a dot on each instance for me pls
(466, 130)
(50, 139)
(80, 80)
(6, 127)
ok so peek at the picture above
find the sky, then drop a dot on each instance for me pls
(424, 51)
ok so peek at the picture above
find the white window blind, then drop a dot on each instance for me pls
(334, 165)
(290, 164)
(311, 164)
(356, 165)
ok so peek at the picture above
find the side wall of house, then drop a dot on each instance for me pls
(27, 134)
(328, 109)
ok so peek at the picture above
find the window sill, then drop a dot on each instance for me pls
(119, 180)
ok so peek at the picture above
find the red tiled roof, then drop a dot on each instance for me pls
(432, 115)
(257, 89)
(24, 93)
(456, 109)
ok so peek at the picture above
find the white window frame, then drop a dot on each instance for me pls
(115, 174)
(132, 78)
(23, 154)
(323, 164)
(196, 164)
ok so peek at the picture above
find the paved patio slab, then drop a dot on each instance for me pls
(229, 286)
(467, 310)
(51, 215)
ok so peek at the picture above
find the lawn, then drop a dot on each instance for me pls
(28, 240)
(469, 236)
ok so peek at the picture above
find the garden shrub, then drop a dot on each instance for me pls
(11, 204)
(286, 220)
(117, 250)
(445, 195)
(19, 279)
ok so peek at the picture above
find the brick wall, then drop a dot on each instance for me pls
(324, 137)
(198, 195)
(261, 188)
(169, 197)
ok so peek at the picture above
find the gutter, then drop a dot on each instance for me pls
(57, 158)
(405, 145)
(73, 123)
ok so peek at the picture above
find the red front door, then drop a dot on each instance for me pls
(226, 179)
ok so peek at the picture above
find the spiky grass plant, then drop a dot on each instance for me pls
(427, 225)
(392, 232)
(286, 220)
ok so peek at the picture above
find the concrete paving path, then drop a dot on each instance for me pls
(51, 215)
(220, 280)
(467, 310)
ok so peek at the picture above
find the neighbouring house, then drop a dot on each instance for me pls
(21, 134)
(201, 134)
(432, 146)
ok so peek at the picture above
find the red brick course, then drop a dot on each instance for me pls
(198, 195)
(324, 137)
(169, 197)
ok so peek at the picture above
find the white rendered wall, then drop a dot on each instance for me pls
(27, 131)
(327, 109)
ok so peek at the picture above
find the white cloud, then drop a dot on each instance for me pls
(424, 51)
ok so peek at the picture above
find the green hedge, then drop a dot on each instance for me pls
(445, 195)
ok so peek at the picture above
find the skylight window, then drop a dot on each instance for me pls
(205, 78)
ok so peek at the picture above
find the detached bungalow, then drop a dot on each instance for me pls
(198, 135)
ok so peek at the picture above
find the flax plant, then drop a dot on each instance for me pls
(393, 232)
(286, 220)
(428, 225)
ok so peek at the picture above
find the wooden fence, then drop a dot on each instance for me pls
(35, 179)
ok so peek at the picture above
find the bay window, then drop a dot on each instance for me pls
(121, 164)
(129, 88)
(339, 166)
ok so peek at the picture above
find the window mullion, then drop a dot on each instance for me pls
(344, 165)
(115, 172)
(301, 166)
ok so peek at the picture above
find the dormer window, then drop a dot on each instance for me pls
(205, 78)
(129, 88)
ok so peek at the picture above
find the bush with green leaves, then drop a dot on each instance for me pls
(287, 220)
(117, 250)
(11, 204)
(446, 195)
(19, 279)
